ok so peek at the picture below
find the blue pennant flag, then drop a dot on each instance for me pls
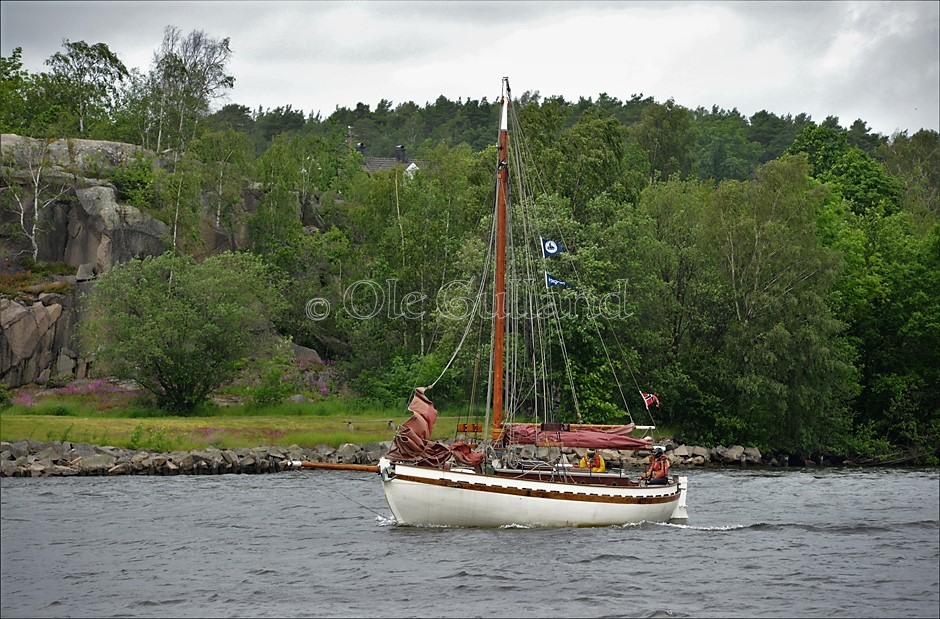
(550, 248)
(554, 281)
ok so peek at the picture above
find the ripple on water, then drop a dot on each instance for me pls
(756, 544)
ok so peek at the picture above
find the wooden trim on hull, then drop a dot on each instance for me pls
(561, 495)
(577, 477)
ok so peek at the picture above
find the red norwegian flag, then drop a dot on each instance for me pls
(649, 398)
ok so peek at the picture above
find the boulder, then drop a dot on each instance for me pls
(752, 455)
(36, 469)
(86, 271)
(374, 451)
(187, 463)
(296, 452)
(91, 157)
(36, 339)
(94, 463)
(632, 460)
(120, 469)
(52, 454)
(302, 352)
(728, 455)
(24, 329)
(8, 468)
(17, 449)
(102, 232)
(65, 365)
(347, 453)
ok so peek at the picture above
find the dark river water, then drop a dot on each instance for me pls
(821, 543)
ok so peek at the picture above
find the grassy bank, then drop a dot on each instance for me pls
(113, 418)
(186, 433)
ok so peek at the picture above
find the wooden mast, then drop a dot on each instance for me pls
(499, 288)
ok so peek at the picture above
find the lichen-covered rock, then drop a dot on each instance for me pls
(752, 455)
(103, 233)
(37, 337)
(82, 157)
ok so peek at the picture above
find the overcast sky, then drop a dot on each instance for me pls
(878, 61)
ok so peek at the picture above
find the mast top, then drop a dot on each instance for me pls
(506, 96)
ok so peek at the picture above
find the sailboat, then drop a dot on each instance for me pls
(489, 483)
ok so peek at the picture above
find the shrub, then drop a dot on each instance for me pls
(135, 181)
(180, 328)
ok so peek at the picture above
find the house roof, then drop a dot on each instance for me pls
(375, 164)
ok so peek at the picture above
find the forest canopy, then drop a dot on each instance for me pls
(781, 274)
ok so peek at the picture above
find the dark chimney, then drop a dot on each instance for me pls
(400, 153)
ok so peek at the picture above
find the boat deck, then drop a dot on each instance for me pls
(542, 471)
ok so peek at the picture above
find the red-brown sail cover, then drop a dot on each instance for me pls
(411, 441)
(576, 436)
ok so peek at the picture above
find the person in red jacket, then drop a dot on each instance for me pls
(658, 471)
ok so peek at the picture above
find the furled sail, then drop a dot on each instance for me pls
(411, 442)
(575, 435)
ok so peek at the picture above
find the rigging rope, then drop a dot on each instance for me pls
(539, 181)
(331, 487)
(524, 209)
(519, 152)
(473, 312)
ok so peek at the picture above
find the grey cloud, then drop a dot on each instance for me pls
(278, 46)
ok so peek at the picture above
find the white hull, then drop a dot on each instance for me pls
(430, 497)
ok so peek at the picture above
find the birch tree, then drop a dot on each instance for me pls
(227, 156)
(668, 135)
(88, 77)
(30, 202)
(187, 74)
(14, 81)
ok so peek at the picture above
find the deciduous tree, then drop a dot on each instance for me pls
(187, 74)
(668, 135)
(181, 329)
(31, 201)
(87, 77)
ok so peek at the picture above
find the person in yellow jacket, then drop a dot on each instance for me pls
(594, 461)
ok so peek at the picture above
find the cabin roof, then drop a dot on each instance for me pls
(376, 164)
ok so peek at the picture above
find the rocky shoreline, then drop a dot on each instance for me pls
(28, 458)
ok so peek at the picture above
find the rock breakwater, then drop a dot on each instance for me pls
(28, 458)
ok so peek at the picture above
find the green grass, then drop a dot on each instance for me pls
(35, 273)
(94, 412)
(186, 433)
(107, 417)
